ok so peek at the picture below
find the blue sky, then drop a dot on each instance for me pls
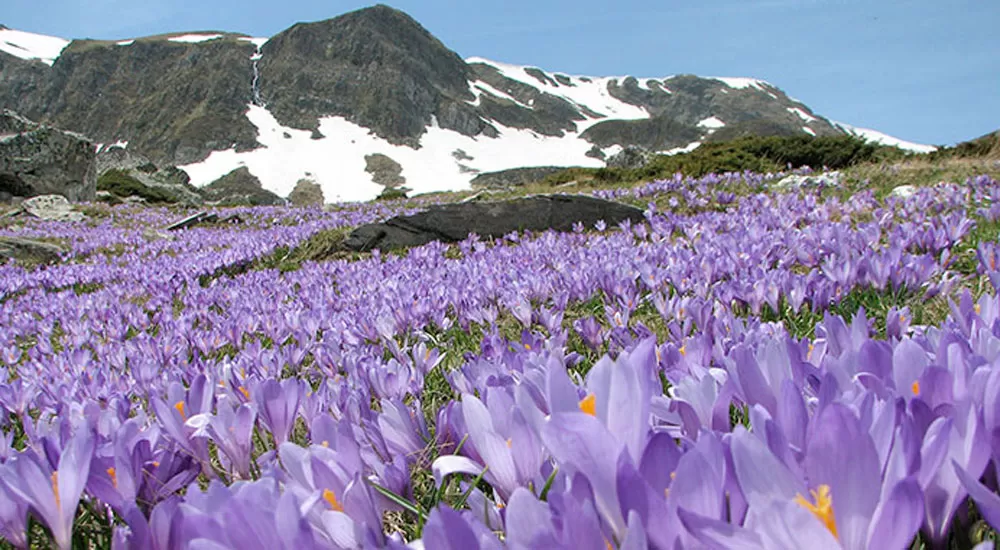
(922, 70)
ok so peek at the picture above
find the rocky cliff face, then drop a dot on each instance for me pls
(173, 101)
(40, 160)
(372, 82)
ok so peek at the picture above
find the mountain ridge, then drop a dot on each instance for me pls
(317, 98)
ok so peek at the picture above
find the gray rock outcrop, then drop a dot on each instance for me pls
(455, 222)
(30, 251)
(630, 157)
(306, 193)
(384, 170)
(40, 160)
(514, 177)
(240, 188)
(172, 180)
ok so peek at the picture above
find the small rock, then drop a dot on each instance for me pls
(828, 179)
(107, 197)
(903, 191)
(52, 207)
(154, 235)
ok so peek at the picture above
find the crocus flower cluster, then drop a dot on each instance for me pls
(613, 387)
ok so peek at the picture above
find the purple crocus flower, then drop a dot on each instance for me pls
(278, 404)
(54, 495)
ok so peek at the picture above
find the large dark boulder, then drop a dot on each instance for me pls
(40, 160)
(455, 222)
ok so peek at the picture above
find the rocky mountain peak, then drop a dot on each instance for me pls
(376, 67)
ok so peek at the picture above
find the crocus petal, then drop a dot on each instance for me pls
(580, 442)
(635, 536)
(898, 517)
(987, 501)
(789, 525)
(444, 466)
(714, 533)
(446, 529)
(526, 518)
(761, 475)
(842, 455)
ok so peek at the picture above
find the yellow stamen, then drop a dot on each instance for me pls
(811, 348)
(608, 545)
(822, 509)
(180, 408)
(589, 404)
(55, 487)
(501, 505)
(325, 443)
(245, 392)
(156, 463)
(673, 476)
(977, 308)
(331, 498)
(683, 350)
(915, 387)
(114, 478)
(510, 442)
(527, 347)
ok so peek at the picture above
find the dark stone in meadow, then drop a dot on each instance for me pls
(193, 220)
(30, 250)
(455, 222)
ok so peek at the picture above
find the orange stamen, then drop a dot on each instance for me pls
(822, 509)
(55, 487)
(331, 498)
(589, 404)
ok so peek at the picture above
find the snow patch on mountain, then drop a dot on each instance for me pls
(686, 149)
(194, 38)
(26, 45)
(711, 123)
(809, 131)
(802, 114)
(874, 136)
(255, 40)
(583, 91)
(742, 83)
(337, 161)
(478, 88)
(125, 42)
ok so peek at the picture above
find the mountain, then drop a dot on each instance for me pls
(320, 100)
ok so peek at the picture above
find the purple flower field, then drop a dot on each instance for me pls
(753, 369)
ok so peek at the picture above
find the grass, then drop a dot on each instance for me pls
(919, 171)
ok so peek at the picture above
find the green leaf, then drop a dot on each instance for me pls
(461, 501)
(411, 507)
(548, 485)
